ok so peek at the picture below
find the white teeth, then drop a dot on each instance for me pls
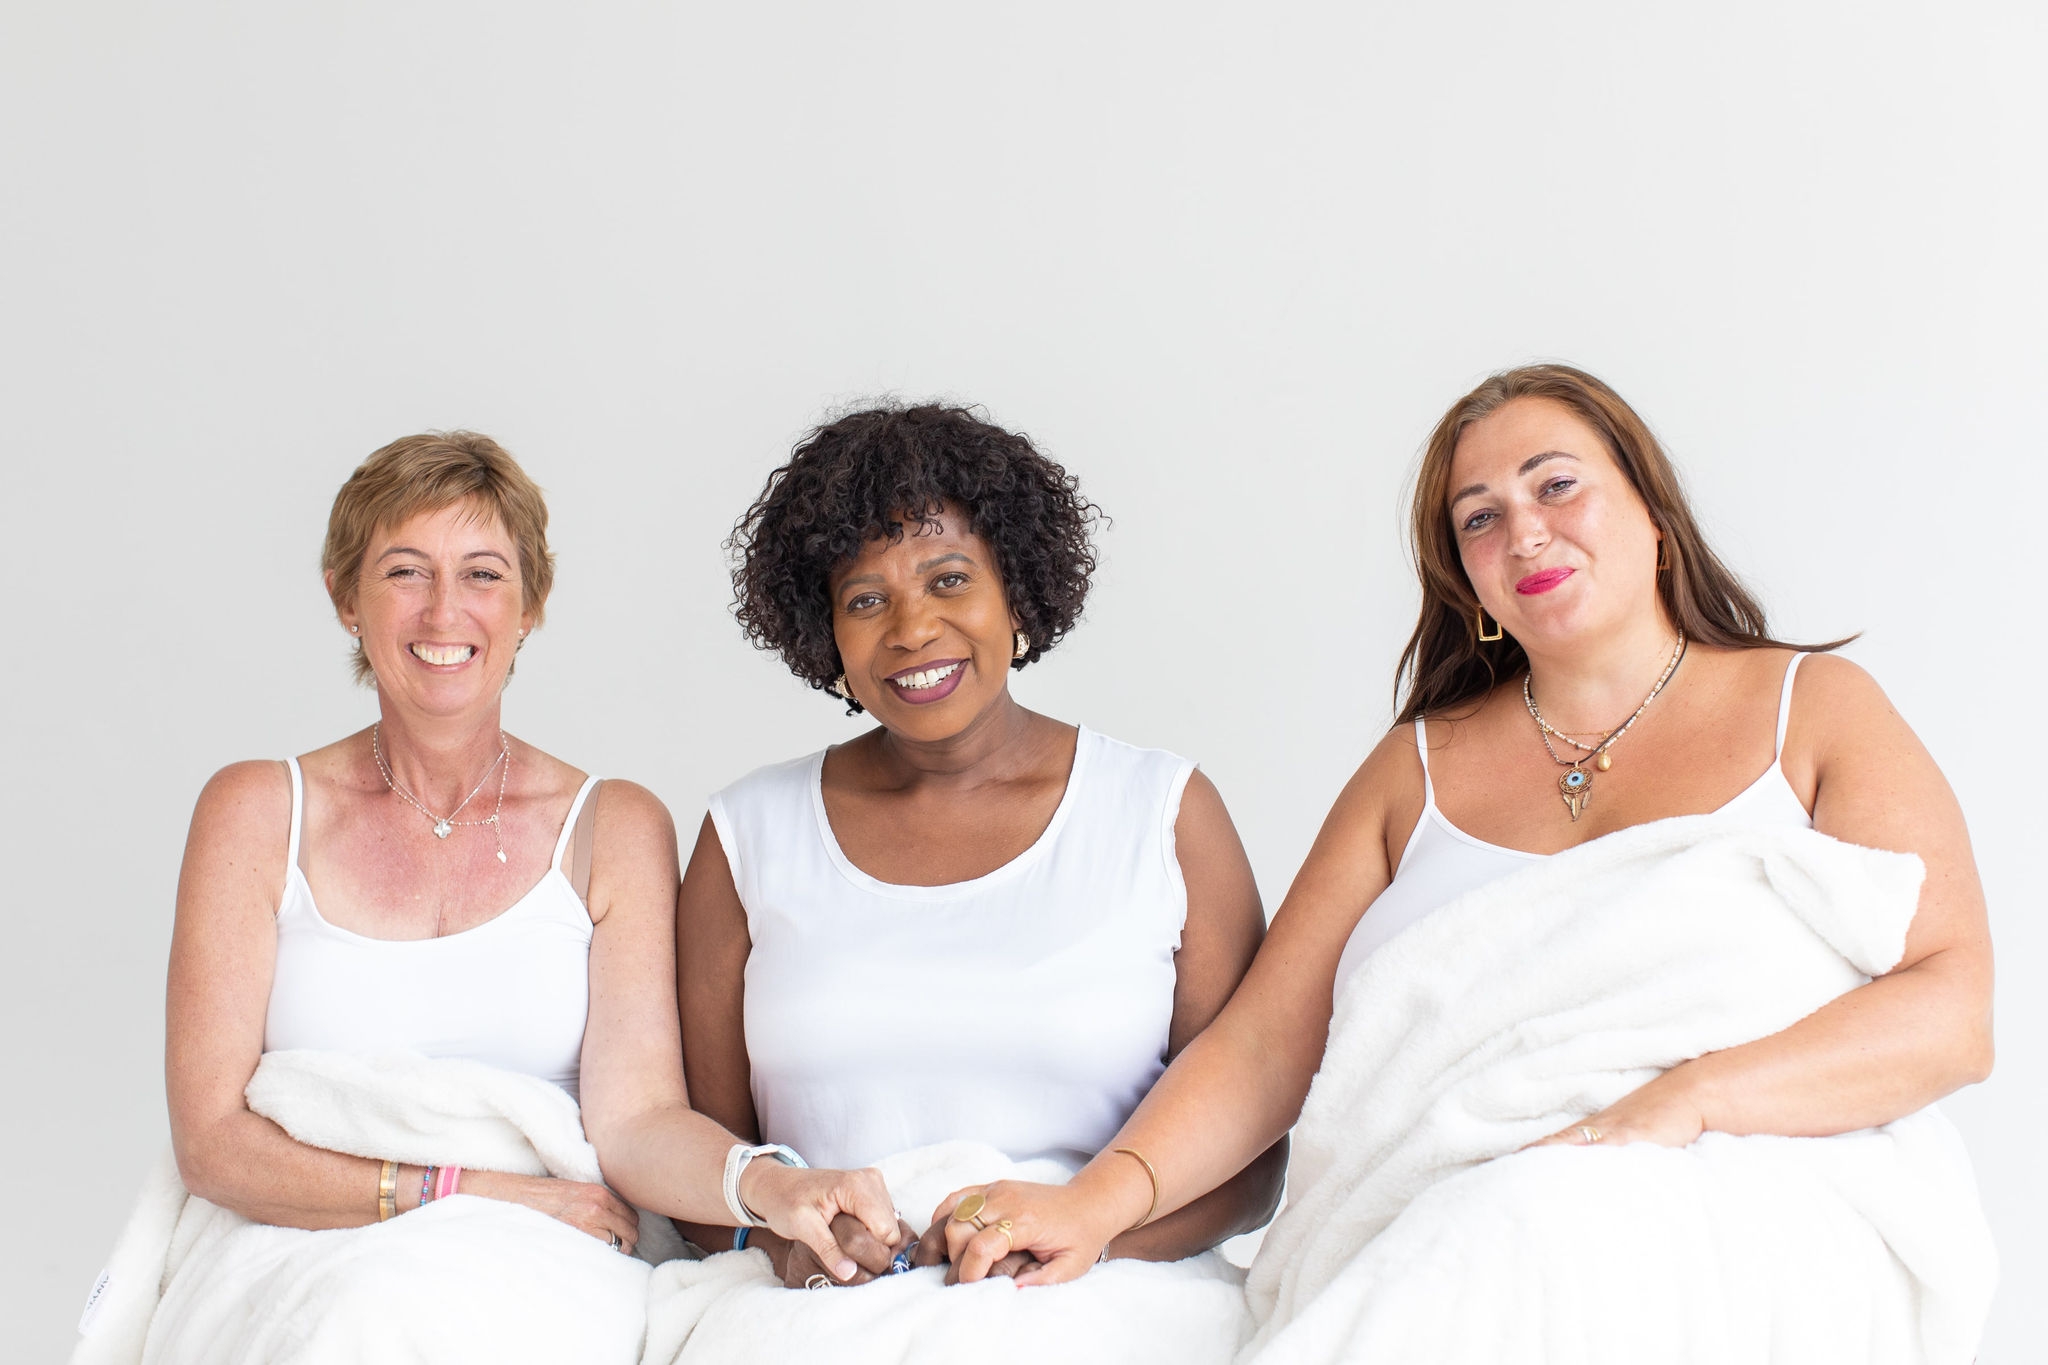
(457, 654)
(930, 677)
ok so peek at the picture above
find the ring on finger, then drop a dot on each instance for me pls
(1003, 1225)
(1591, 1135)
(617, 1245)
(818, 1282)
(968, 1210)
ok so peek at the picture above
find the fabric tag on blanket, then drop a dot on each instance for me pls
(93, 1302)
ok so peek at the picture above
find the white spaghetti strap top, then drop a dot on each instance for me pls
(1443, 862)
(513, 992)
(1067, 952)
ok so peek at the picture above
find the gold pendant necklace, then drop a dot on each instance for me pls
(1575, 786)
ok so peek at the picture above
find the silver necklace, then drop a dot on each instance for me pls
(444, 825)
(1576, 786)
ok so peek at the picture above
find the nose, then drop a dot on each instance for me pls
(1528, 531)
(912, 625)
(441, 608)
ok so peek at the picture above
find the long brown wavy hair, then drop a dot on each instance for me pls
(1445, 662)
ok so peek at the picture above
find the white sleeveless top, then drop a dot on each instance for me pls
(1060, 964)
(1443, 862)
(514, 991)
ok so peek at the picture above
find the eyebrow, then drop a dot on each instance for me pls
(1532, 462)
(473, 554)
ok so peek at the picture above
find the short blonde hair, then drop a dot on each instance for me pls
(427, 473)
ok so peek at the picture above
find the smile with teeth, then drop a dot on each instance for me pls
(930, 677)
(444, 654)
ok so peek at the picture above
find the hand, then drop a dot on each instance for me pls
(1660, 1112)
(800, 1204)
(871, 1254)
(589, 1208)
(1054, 1233)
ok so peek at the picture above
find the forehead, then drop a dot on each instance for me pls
(1492, 447)
(948, 533)
(466, 521)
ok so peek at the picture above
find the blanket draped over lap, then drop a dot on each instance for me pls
(731, 1310)
(462, 1279)
(1418, 1231)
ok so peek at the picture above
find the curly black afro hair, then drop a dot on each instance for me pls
(866, 476)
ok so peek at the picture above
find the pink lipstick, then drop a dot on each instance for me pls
(939, 678)
(1543, 580)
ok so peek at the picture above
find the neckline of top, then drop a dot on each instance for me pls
(313, 905)
(1083, 743)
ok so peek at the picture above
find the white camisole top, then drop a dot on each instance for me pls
(1443, 862)
(1027, 1009)
(513, 992)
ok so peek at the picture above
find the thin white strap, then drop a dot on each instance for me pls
(575, 809)
(291, 850)
(1422, 752)
(1785, 707)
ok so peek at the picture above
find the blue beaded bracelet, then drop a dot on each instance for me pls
(427, 1185)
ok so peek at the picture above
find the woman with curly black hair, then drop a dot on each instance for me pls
(906, 560)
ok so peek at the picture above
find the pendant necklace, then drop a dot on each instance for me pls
(1575, 786)
(444, 825)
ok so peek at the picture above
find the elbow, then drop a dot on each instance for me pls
(1266, 1181)
(199, 1169)
(1981, 1053)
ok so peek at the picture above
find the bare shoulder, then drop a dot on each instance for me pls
(630, 810)
(1838, 709)
(251, 798)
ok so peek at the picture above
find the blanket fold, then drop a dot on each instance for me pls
(1417, 1230)
(463, 1278)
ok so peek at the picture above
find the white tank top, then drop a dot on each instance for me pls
(1061, 961)
(1443, 862)
(514, 991)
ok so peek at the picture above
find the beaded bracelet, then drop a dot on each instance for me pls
(427, 1186)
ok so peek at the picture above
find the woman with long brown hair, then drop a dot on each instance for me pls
(1583, 664)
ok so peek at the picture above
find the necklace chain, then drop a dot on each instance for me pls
(446, 824)
(1576, 786)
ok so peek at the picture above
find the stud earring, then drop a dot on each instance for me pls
(1023, 646)
(1482, 627)
(840, 689)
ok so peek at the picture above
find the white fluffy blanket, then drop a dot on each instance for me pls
(462, 1279)
(731, 1310)
(1416, 1233)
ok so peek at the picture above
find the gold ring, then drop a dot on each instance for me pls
(969, 1209)
(1003, 1226)
(977, 1223)
(1591, 1135)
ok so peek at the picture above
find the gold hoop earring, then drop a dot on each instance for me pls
(1663, 559)
(1481, 627)
(1023, 646)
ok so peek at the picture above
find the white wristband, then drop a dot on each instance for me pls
(736, 1162)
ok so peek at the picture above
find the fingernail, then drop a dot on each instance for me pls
(846, 1269)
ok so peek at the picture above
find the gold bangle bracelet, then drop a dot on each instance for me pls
(387, 1192)
(1150, 1174)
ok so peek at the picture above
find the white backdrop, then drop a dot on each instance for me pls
(1228, 266)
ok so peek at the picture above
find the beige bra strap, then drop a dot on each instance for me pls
(581, 842)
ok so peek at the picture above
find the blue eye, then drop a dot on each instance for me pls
(1476, 520)
(1560, 484)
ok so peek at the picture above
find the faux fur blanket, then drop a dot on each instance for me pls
(1418, 1232)
(462, 1279)
(731, 1310)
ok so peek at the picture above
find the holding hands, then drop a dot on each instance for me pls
(812, 1208)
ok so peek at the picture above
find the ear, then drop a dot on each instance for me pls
(346, 615)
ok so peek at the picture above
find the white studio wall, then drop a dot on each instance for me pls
(1229, 266)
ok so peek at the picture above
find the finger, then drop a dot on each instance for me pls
(983, 1250)
(1010, 1266)
(865, 1195)
(931, 1248)
(872, 1254)
(1064, 1266)
(945, 1207)
(818, 1237)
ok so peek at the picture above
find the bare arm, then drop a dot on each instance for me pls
(1238, 1087)
(1225, 924)
(1911, 1036)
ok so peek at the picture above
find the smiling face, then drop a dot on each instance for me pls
(1554, 538)
(440, 609)
(924, 628)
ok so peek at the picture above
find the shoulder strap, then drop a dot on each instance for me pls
(1422, 752)
(569, 821)
(291, 850)
(1785, 707)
